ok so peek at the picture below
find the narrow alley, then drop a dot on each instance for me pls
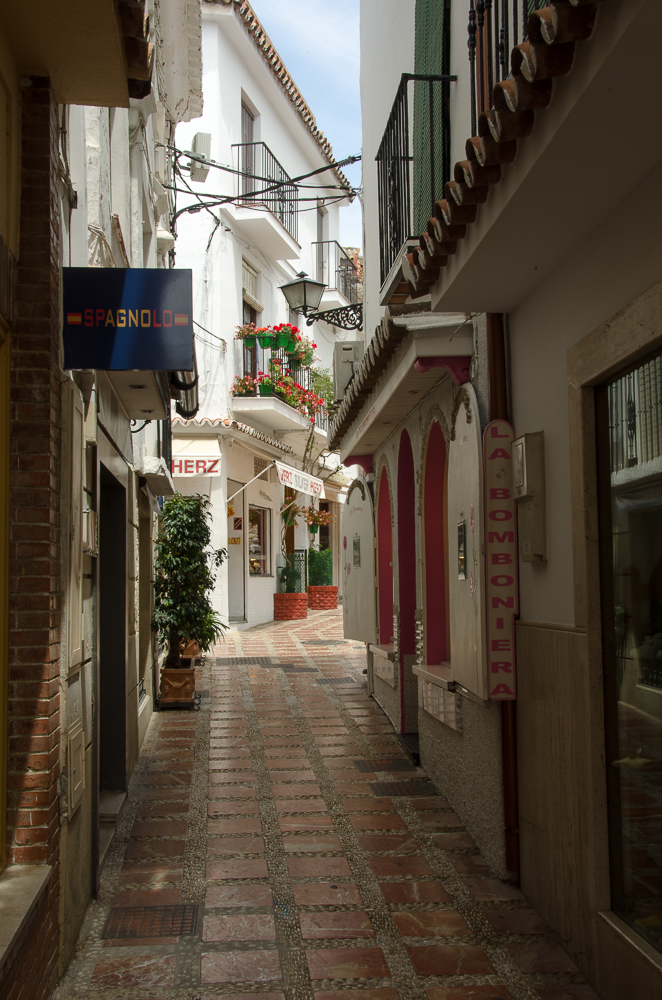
(279, 842)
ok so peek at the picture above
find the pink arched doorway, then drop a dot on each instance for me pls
(435, 524)
(406, 519)
(385, 560)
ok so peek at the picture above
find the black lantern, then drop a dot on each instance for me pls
(304, 295)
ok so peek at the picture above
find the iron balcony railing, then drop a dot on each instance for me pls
(413, 162)
(337, 269)
(258, 359)
(263, 182)
(495, 27)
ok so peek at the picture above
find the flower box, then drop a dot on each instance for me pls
(322, 597)
(289, 607)
(265, 390)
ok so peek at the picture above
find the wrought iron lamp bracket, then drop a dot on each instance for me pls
(347, 317)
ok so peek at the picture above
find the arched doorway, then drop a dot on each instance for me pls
(385, 560)
(407, 584)
(435, 524)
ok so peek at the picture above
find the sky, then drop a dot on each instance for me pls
(319, 42)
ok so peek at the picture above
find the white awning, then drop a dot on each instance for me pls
(299, 481)
(196, 456)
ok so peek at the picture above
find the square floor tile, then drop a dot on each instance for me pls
(347, 963)
(235, 868)
(401, 866)
(468, 992)
(335, 925)
(234, 845)
(516, 921)
(319, 867)
(313, 842)
(136, 972)
(450, 960)
(240, 967)
(227, 894)
(326, 894)
(240, 927)
(445, 923)
(414, 892)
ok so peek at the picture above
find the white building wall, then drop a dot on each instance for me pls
(387, 51)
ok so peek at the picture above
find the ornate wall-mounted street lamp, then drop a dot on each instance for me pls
(304, 295)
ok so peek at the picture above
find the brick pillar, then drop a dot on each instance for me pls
(34, 584)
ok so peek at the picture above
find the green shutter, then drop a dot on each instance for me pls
(431, 56)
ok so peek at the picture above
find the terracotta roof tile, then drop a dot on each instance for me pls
(547, 53)
(237, 426)
(270, 54)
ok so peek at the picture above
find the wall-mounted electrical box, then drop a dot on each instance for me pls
(529, 490)
(202, 149)
(347, 356)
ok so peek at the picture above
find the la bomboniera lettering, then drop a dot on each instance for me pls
(500, 561)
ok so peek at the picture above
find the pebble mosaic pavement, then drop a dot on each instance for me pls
(310, 887)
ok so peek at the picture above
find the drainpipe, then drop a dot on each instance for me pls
(498, 382)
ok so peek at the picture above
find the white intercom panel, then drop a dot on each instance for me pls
(529, 489)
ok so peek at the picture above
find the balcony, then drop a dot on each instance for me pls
(339, 273)
(267, 211)
(272, 411)
(413, 164)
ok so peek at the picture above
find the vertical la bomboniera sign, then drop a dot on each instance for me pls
(502, 589)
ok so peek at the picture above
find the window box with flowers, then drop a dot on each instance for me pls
(243, 386)
(248, 333)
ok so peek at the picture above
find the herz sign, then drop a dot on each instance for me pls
(122, 319)
(501, 565)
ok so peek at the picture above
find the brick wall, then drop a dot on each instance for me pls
(34, 725)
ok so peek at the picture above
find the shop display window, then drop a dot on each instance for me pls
(630, 429)
(259, 541)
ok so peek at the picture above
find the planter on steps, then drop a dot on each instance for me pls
(322, 597)
(288, 607)
(177, 687)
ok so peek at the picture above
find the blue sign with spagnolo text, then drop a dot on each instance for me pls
(123, 319)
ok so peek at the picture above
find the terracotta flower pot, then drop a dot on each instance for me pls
(288, 607)
(177, 687)
(322, 597)
(190, 648)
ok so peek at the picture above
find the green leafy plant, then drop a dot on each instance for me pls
(290, 576)
(185, 574)
(320, 568)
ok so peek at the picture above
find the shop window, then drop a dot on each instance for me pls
(630, 441)
(259, 541)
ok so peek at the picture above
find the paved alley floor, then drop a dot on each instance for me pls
(255, 857)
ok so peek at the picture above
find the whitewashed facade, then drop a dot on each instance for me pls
(240, 254)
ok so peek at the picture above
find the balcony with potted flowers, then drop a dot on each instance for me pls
(278, 387)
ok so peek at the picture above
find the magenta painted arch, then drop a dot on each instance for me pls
(435, 517)
(385, 560)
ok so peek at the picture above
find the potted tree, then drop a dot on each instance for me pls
(185, 573)
(321, 592)
(290, 603)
